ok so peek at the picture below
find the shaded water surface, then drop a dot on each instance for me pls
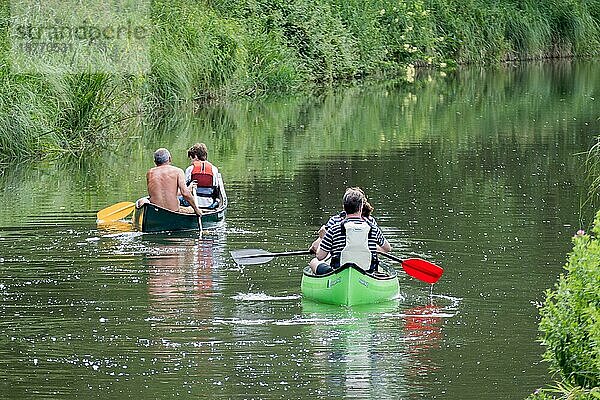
(480, 173)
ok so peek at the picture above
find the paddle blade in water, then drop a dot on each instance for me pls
(422, 270)
(115, 212)
(251, 256)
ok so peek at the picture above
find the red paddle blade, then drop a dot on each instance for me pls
(422, 270)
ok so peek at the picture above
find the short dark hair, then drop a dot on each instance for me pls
(353, 200)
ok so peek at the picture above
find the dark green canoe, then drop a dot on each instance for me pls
(350, 285)
(153, 218)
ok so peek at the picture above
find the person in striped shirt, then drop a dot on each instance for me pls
(367, 210)
(350, 240)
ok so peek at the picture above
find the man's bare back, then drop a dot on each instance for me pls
(163, 184)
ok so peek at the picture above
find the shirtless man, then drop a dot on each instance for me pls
(163, 182)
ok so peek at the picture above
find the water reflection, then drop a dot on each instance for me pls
(422, 325)
(115, 226)
(181, 281)
(423, 330)
(360, 352)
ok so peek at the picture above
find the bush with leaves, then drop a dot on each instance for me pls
(570, 323)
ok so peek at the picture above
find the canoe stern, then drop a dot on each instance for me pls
(349, 286)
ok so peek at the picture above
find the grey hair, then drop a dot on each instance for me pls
(161, 156)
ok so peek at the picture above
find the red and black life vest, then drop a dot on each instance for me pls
(202, 173)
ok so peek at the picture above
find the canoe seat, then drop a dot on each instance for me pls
(190, 210)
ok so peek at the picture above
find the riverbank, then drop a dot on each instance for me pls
(218, 51)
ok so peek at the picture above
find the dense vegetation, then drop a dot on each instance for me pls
(570, 323)
(214, 50)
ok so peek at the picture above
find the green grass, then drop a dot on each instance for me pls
(55, 114)
(213, 51)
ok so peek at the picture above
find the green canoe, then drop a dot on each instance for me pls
(350, 285)
(153, 218)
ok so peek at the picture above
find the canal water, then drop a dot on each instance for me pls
(481, 172)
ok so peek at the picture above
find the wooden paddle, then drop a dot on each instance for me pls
(115, 212)
(259, 256)
(418, 268)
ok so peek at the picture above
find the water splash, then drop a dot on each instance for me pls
(263, 297)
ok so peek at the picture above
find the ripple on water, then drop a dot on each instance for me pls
(263, 297)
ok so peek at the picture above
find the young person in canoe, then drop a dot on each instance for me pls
(164, 182)
(367, 210)
(351, 240)
(203, 176)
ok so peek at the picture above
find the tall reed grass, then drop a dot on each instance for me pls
(215, 50)
(55, 114)
(593, 175)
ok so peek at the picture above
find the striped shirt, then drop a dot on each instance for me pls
(337, 218)
(334, 241)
